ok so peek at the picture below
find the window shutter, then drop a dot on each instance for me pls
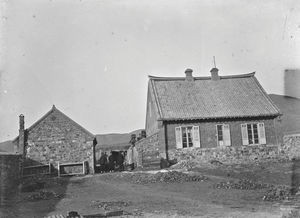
(196, 137)
(178, 137)
(244, 134)
(261, 134)
(226, 135)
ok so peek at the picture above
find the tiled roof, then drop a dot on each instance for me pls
(230, 97)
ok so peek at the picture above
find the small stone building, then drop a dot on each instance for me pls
(55, 138)
(192, 113)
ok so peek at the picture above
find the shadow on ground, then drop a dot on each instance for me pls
(295, 178)
(32, 195)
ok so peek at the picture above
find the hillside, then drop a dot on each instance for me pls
(116, 139)
(6, 146)
(290, 107)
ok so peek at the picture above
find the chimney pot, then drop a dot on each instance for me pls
(214, 74)
(21, 122)
(189, 75)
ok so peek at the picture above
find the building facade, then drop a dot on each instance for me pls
(55, 138)
(209, 112)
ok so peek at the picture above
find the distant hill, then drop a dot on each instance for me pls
(6, 146)
(117, 140)
(290, 107)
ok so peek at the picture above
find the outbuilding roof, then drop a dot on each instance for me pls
(55, 110)
(232, 96)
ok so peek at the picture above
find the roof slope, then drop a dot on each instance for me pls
(55, 110)
(230, 97)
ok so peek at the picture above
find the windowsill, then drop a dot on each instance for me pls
(187, 148)
(224, 146)
(254, 144)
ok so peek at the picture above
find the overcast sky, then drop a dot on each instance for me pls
(92, 58)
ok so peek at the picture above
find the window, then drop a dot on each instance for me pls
(187, 136)
(223, 135)
(220, 132)
(253, 133)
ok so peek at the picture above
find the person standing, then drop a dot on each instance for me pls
(132, 154)
(103, 162)
(120, 161)
(111, 162)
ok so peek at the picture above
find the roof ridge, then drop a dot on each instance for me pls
(218, 117)
(42, 118)
(47, 114)
(78, 125)
(203, 77)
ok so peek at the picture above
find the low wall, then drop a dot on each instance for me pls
(241, 154)
(148, 150)
(9, 178)
(291, 146)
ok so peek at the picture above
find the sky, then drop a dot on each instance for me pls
(92, 58)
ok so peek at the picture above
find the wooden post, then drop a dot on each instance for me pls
(83, 168)
(49, 168)
(58, 169)
(93, 167)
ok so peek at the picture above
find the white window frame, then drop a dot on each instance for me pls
(252, 133)
(223, 142)
(260, 133)
(195, 135)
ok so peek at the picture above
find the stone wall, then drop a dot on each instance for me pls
(57, 138)
(240, 154)
(148, 151)
(9, 178)
(291, 146)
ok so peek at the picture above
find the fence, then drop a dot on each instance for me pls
(75, 168)
(37, 170)
(63, 169)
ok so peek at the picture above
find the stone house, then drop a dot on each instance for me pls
(186, 113)
(55, 138)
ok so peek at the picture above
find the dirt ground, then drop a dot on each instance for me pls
(164, 196)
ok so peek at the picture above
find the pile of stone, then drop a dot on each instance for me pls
(184, 164)
(273, 193)
(44, 195)
(163, 177)
(175, 176)
(244, 184)
(278, 193)
(110, 205)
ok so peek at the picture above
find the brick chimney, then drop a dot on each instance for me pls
(21, 144)
(214, 74)
(189, 75)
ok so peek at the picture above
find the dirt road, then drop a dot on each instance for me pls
(209, 192)
(110, 192)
